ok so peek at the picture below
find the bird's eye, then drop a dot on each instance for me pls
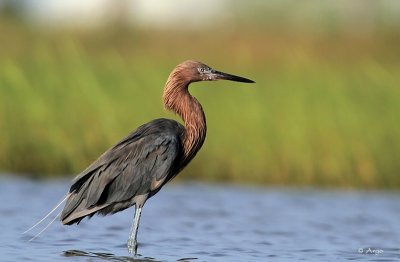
(202, 70)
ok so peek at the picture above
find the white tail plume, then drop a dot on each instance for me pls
(41, 220)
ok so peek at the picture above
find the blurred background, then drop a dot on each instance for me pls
(302, 165)
(77, 76)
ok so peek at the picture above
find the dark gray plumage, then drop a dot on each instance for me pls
(138, 166)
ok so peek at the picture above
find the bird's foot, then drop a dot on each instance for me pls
(132, 246)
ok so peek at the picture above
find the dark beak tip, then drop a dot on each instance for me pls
(245, 80)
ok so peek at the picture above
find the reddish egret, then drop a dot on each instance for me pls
(138, 166)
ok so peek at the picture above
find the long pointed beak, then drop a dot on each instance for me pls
(220, 75)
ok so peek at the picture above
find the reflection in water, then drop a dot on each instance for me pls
(112, 257)
(194, 222)
(108, 256)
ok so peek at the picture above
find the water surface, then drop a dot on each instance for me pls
(199, 222)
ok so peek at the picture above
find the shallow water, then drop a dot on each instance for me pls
(198, 222)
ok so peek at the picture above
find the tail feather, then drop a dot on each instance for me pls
(77, 207)
(80, 213)
(44, 218)
(47, 226)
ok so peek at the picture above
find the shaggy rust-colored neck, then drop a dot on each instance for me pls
(178, 99)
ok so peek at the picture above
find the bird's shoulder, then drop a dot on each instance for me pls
(159, 128)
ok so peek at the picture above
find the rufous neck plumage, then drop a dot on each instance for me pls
(177, 98)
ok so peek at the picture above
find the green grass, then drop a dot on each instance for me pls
(321, 113)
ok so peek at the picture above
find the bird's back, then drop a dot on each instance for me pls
(128, 173)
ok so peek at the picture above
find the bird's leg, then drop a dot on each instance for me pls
(132, 240)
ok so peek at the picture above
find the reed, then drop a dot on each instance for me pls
(311, 119)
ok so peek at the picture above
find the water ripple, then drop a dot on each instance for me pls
(195, 222)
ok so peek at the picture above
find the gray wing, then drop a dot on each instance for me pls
(138, 165)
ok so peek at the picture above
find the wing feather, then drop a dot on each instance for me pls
(140, 164)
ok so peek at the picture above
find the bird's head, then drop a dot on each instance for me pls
(194, 71)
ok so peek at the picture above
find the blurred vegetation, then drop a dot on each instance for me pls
(324, 111)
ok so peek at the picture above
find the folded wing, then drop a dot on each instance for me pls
(131, 171)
